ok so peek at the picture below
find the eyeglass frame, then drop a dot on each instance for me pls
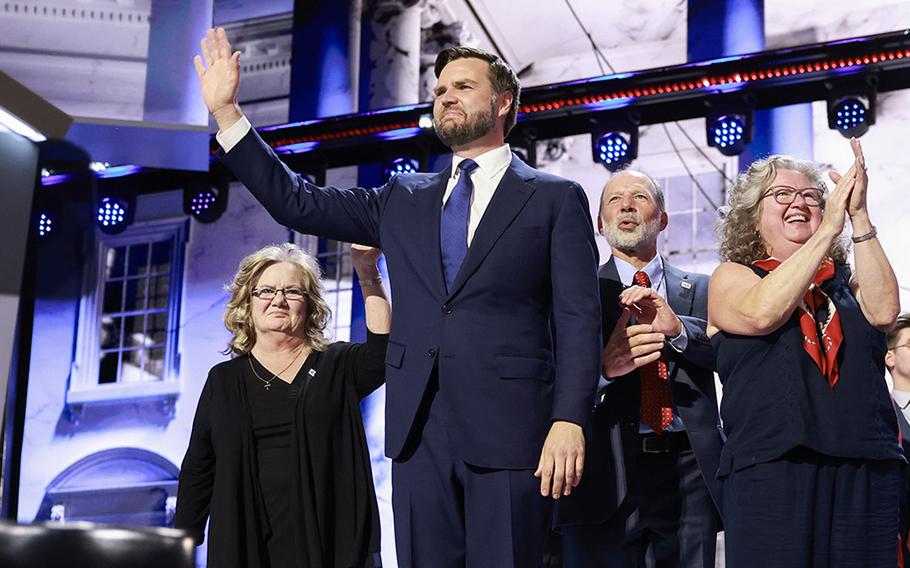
(257, 293)
(772, 192)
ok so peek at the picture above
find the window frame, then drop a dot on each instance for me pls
(84, 387)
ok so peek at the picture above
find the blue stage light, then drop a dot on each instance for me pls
(615, 143)
(612, 150)
(849, 116)
(45, 223)
(112, 214)
(401, 166)
(729, 129)
(205, 203)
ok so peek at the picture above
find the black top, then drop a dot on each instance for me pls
(272, 403)
(332, 505)
(776, 399)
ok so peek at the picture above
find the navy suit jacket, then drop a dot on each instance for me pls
(613, 443)
(516, 341)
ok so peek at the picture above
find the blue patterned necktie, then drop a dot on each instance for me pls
(453, 225)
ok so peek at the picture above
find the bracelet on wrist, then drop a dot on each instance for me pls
(371, 281)
(863, 238)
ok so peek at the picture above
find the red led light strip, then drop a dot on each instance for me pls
(343, 134)
(637, 92)
(708, 81)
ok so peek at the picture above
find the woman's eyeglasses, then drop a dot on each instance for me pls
(785, 195)
(268, 293)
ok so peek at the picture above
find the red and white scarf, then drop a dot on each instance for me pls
(821, 340)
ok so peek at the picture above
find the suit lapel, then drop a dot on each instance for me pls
(680, 296)
(428, 202)
(680, 290)
(610, 288)
(508, 199)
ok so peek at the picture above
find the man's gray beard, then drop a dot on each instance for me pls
(629, 242)
(474, 127)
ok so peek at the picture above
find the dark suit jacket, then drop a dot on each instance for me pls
(516, 339)
(613, 442)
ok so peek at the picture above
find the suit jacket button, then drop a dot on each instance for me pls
(446, 309)
(431, 353)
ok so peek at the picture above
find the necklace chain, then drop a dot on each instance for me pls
(267, 384)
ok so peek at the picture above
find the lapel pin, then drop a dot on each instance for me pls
(312, 372)
(686, 285)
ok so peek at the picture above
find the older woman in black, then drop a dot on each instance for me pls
(811, 462)
(277, 460)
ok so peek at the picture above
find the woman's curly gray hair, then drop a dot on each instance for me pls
(238, 317)
(740, 240)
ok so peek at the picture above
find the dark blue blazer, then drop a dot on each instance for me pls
(516, 340)
(613, 443)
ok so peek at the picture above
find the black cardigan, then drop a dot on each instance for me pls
(334, 505)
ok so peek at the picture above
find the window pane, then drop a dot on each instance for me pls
(132, 366)
(110, 332)
(134, 331)
(107, 369)
(135, 295)
(157, 327)
(158, 292)
(154, 365)
(138, 260)
(116, 259)
(113, 297)
(161, 256)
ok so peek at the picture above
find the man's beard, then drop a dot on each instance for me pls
(474, 126)
(630, 241)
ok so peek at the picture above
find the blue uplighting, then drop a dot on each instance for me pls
(45, 223)
(612, 149)
(401, 166)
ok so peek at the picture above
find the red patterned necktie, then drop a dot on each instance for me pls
(656, 407)
(821, 339)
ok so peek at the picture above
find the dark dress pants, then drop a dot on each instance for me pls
(808, 510)
(451, 514)
(667, 520)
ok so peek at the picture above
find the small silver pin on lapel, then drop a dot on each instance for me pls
(312, 372)
(686, 285)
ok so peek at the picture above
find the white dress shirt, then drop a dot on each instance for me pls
(655, 272)
(902, 399)
(492, 166)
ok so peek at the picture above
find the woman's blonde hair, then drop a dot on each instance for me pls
(238, 316)
(740, 240)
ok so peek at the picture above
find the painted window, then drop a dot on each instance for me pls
(129, 315)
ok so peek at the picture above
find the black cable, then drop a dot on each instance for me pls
(682, 161)
(596, 49)
(686, 167)
(719, 169)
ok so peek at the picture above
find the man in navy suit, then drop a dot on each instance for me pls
(493, 360)
(650, 496)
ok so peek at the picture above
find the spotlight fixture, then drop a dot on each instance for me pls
(113, 215)
(851, 115)
(205, 203)
(851, 106)
(615, 144)
(401, 165)
(45, 223)
(729, 126)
